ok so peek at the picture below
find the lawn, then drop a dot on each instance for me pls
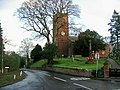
(8, 78)
(68, 63)
(78, 63)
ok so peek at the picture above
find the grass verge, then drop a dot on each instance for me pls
(8, 78)
(38, 64)
(69, 63)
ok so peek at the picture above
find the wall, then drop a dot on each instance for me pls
(76, 72)
(106, 52)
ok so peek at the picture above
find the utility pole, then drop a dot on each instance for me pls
(1, 49)
(2, 60)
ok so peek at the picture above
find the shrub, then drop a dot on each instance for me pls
(12, 60)
(90, 60)
(50, 51)
(100, 73)
(36, 53)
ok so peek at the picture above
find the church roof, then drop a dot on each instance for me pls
(73, 38)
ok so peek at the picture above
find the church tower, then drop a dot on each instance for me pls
(61, 33)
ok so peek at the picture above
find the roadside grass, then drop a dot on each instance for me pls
(8, 78)
(78, 63)
(38, 64)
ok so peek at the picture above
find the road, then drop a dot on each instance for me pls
(43, 80)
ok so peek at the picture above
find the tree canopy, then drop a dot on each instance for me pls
(25, 48)
(38, 15)
(82, 45)
(115, 33)
(36, 53)
(115, 28)
(12, 60)
(49, 52)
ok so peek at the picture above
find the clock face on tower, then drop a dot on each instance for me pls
(63, 33)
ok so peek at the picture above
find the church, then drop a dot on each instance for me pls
(61, 33)
(63, 40)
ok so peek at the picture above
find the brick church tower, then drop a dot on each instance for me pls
(61, 33)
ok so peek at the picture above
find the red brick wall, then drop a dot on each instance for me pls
(104, 53)
(62, 40)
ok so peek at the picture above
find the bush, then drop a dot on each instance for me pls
(100, 73)
(12, 60)
(50, 51)
(36, 53)
(90, 60)
(22, 62)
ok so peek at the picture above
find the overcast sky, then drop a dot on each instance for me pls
(95, 15)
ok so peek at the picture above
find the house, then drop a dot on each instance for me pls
(104, 53)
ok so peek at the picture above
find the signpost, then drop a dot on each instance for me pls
(97, 56)
(7, 68)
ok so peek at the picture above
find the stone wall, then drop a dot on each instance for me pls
(76, 72)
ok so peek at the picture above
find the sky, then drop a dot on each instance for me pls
(95, 15)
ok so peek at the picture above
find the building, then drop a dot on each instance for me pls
(104, 53)
(61, 33)
(65, 42)
(72, 39)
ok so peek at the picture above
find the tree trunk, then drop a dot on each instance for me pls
(48, 39)
(27, 58)
(49, 61)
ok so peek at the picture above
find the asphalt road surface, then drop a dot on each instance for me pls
(43, 80)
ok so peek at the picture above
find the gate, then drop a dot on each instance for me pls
(114, 72)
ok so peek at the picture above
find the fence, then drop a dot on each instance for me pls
(114, 72)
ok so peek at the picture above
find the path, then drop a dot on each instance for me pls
(114, 64)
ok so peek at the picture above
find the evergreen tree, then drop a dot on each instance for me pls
(36, 53)
(82, 45)
(49, 52)
(115, 33)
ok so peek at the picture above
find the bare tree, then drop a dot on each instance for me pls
(39, 15)
(107, 39)
(25, 48)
